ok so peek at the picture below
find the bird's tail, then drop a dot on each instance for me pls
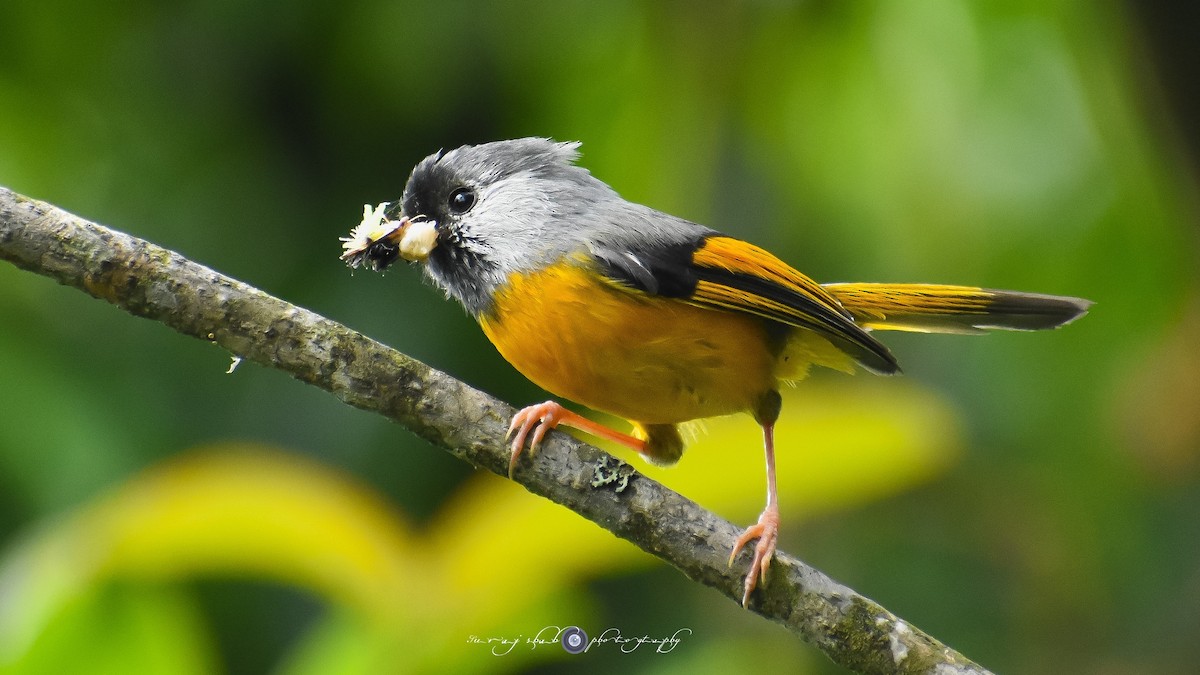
(934, 308)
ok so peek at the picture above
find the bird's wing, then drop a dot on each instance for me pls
(715, 271)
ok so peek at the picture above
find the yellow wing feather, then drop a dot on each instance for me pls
(738, 276)
(740, 257)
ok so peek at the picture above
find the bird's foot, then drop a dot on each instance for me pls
(532, 423)
(766, 530)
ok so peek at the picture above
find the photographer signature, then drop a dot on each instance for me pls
(553, 636)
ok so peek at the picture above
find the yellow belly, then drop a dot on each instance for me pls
(649, 360)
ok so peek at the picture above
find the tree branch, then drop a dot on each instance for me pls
(149, 281)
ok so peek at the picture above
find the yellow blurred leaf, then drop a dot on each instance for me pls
(838, 443)
(245, 510)
(236, 509)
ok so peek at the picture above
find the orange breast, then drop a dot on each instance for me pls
(650, 360)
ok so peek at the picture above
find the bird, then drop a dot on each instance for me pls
(653, 318)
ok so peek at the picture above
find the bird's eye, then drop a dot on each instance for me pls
(461, 200)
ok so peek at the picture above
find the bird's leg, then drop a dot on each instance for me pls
(766, 530)
(543, 417)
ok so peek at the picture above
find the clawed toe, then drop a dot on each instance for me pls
(531, 423)
(766, 530)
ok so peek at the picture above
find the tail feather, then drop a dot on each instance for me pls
(934, 308)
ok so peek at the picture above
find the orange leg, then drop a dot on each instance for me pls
(543, 417)
(766, 530)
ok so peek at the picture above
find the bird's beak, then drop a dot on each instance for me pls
(377, 240)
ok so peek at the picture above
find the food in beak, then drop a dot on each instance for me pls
(376, 241)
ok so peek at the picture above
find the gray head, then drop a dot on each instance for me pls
(518, 205)
(495, 206)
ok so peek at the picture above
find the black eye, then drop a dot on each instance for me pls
(461, 200)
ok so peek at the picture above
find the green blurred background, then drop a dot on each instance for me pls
(1031, 500)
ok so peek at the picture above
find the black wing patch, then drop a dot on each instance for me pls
(664, 270)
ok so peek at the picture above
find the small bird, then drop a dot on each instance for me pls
(643, 315)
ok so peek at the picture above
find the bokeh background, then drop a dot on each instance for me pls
(1030, 499)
